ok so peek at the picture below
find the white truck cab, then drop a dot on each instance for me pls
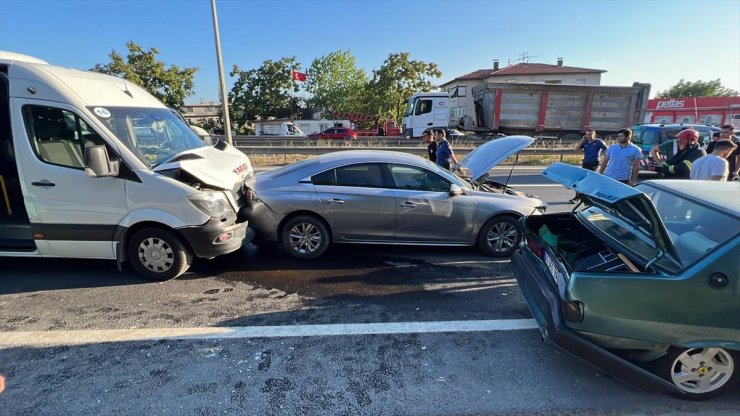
(425, 111)
(93, 166)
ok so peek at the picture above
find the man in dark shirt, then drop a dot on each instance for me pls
(678, 166)
(592, 148)
(445, 155)
(733, 160)
(431, 145)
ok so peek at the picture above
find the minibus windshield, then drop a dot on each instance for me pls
(153, 134)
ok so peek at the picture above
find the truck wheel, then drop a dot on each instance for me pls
(305, 237)
(499, 236)
(701, 373)
(158, 254)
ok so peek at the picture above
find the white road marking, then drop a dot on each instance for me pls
(97, 336)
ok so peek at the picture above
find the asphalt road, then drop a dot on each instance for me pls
(374, 330)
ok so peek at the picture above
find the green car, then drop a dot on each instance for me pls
(641, 282)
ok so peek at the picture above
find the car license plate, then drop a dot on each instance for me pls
(552, 266)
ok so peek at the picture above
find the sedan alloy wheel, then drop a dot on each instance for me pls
(499, 237)
(305, 237)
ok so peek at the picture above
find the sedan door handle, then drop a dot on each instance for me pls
(409, 205)
(45, 182)
(429, 124)
(336, 201)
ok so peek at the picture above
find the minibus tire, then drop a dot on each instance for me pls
(158, 254)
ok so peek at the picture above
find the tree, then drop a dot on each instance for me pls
(398, 79)
(336, 83)
(170, 85)
(210, 124)
(699, 88)
(263, 92)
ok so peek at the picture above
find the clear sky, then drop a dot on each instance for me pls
(655, 41)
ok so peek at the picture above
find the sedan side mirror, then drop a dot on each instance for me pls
(455, 190)
(99, 164)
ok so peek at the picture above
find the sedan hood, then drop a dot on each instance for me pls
(623, 200)
(217, 167)
(486, 156)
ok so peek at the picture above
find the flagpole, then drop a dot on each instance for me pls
(221, 80)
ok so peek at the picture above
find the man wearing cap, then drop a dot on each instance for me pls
(687, 150)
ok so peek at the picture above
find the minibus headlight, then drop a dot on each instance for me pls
(213, 204)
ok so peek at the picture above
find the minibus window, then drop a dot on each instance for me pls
(59, 137)
(154, 135)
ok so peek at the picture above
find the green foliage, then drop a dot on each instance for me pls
(398, 79)
(262, 92)
(699, 88)
(170, 85)
(336, 83)
(210, 124)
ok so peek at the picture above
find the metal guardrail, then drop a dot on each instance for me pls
(420, 151)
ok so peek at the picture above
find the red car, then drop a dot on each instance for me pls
(343, 133)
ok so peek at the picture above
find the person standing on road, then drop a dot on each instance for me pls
(622, 159)
(445, 155)
(687, 148)
(428, 138)
(591, 148)
(714, 166)
(733, 159)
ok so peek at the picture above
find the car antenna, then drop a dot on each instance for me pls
(506, 185)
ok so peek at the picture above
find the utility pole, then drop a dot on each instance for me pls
(222, 82)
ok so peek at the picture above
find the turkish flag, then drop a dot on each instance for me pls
(298, 76)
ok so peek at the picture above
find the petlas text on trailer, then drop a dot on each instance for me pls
(93, 166)
(703, 110)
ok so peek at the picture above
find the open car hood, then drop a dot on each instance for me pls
(486, 156)
(625, 201)
(219, 168)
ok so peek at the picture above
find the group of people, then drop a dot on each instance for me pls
(682, 158)
(439, 150)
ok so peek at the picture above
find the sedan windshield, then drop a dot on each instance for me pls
(154, 135)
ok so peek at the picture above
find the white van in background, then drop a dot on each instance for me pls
(93, 166)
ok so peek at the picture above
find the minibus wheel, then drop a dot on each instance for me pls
(158, 254)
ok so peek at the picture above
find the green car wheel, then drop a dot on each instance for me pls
(701, 373)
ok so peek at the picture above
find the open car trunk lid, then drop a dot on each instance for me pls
(631, 205)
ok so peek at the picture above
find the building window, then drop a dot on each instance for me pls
(715, 119)
(459, 91)
(553, 81)
(581, 81)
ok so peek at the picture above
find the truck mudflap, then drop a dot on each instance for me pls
(544, 303)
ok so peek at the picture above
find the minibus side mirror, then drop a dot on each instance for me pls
(99, 164)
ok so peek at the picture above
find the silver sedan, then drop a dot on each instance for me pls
(378, 197)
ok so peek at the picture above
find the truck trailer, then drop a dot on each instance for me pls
(547, 110)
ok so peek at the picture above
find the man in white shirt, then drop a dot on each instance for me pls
(714, 166)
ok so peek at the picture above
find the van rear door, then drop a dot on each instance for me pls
(71, 214)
